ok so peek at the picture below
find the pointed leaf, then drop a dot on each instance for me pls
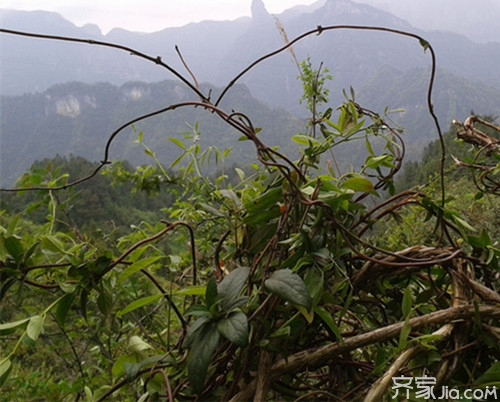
(327, 318)
(5, 367)
(211, 292)
(14, 248)
(305, 140)
(230, 287)
(491, 376)
(202, 349)
(178, 143)
(63, 308)
(9, 327)
(136, 267)
(358, 184)
(138, 304)
(314, 280)
(289, 286)
(407, 302)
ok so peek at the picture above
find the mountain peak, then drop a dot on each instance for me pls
(259, 10)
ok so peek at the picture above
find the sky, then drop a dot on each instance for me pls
(147, 15)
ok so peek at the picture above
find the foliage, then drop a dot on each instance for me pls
(287, 282)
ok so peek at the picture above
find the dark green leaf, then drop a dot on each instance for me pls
(131, 370)
(211, 292)
(200, 353)
(14, 248)
(424, 44)
(230, 287)
(192, 333)
(290, 287)
(314, 280)
(63, 308)
(105, 302)
(234, 328)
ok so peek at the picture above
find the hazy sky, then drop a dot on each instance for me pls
(147, 15)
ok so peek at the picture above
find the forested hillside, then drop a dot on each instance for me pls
(78, 118)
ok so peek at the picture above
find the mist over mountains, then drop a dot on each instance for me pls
(384, 69)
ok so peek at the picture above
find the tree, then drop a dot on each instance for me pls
(278, 286)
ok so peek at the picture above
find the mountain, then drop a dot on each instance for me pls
(384, 69)
(476, 19)
(77, 118)
(216, 51)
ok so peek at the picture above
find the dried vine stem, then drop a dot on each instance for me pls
(312, 358)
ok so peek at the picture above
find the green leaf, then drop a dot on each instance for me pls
(131, 370)
(264, 202)
(5, 367)
(240, 173)
(200, 354)
(314, 280)
(105, 302)
(210, 209)
(12, 225)
(136, 267)
(211, 292)
(491, 376)
(405, 332)
(178, 143)
(231, 195)
(358, 183)
(118, 368)
(234, 328)
(52, 244)
(192, 333)
(136, 344)
(305, 140)
(198, 290)
(14, 248)
(407, 302)
(376, 162)
(138, 304)
(63, 308)
(198, 310)
(327, 318)
(230, 287)
(9, 327)
(68, 287)
(424, 44)
(35, 326)
(290, 287)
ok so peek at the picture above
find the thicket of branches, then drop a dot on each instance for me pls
(284, 285)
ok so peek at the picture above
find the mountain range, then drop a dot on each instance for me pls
(384, 69)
